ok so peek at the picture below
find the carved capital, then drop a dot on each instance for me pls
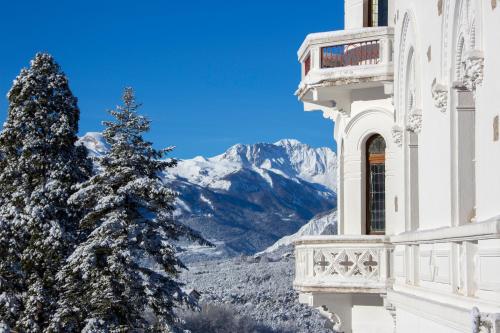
(440, 95)
(473, 69)
(414, 121)
(397, 135)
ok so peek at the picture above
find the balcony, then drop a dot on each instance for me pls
(336, 63)
(342, 264)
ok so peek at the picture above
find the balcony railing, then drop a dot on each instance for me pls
(342, 264)
(353, 59)
(354, 54)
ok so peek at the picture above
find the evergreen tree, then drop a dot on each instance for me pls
(123, 276)
(39, 165)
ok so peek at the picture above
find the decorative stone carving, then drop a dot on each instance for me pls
(414, 121)
(484, 322)
(362, 263)
(335, 322)
(397, 135)
(473, 67)
(440, 95)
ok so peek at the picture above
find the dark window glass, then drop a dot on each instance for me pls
(383, 10)
(377, 198)
(375, 185)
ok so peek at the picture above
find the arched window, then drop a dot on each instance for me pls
(375, 185)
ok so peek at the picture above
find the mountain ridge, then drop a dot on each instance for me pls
(251, 195)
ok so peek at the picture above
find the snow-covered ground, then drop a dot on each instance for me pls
(261, 290)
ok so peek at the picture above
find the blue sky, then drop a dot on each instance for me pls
(209, 73)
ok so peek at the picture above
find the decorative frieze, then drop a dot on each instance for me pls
(347, 263)
(397, 135)
(473, 66)
(440, 95)
(414, 121)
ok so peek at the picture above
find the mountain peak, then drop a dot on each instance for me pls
(94, 142)
(288, 142)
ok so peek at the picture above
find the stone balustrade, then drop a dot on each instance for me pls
(342, 264)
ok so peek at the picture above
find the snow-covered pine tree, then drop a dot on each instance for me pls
(123, 277)
(39, 165)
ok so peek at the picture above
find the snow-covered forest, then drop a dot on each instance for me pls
(105, 233)
(85, 246)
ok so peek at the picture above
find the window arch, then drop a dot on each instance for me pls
(375, 185)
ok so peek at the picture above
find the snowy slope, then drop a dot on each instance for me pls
(250, 196)
(262, 290)
(321, 224)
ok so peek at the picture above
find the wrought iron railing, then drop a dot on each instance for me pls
(355, 54)
(366, 51)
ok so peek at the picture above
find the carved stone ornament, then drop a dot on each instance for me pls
(397, 135)
(334, 321)
(414, 121)
(346, 263)
(484, 322)
(473, 69)
(440, 95)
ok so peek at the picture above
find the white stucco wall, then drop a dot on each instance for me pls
(488, 106)
(432, 36)
(442, 112)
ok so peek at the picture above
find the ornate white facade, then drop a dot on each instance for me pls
(411, 86)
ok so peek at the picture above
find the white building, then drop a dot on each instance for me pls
(412, 88)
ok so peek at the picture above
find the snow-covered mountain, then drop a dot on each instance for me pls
(250, 196)
(288, 158)
(321, 224)
(95, 143)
